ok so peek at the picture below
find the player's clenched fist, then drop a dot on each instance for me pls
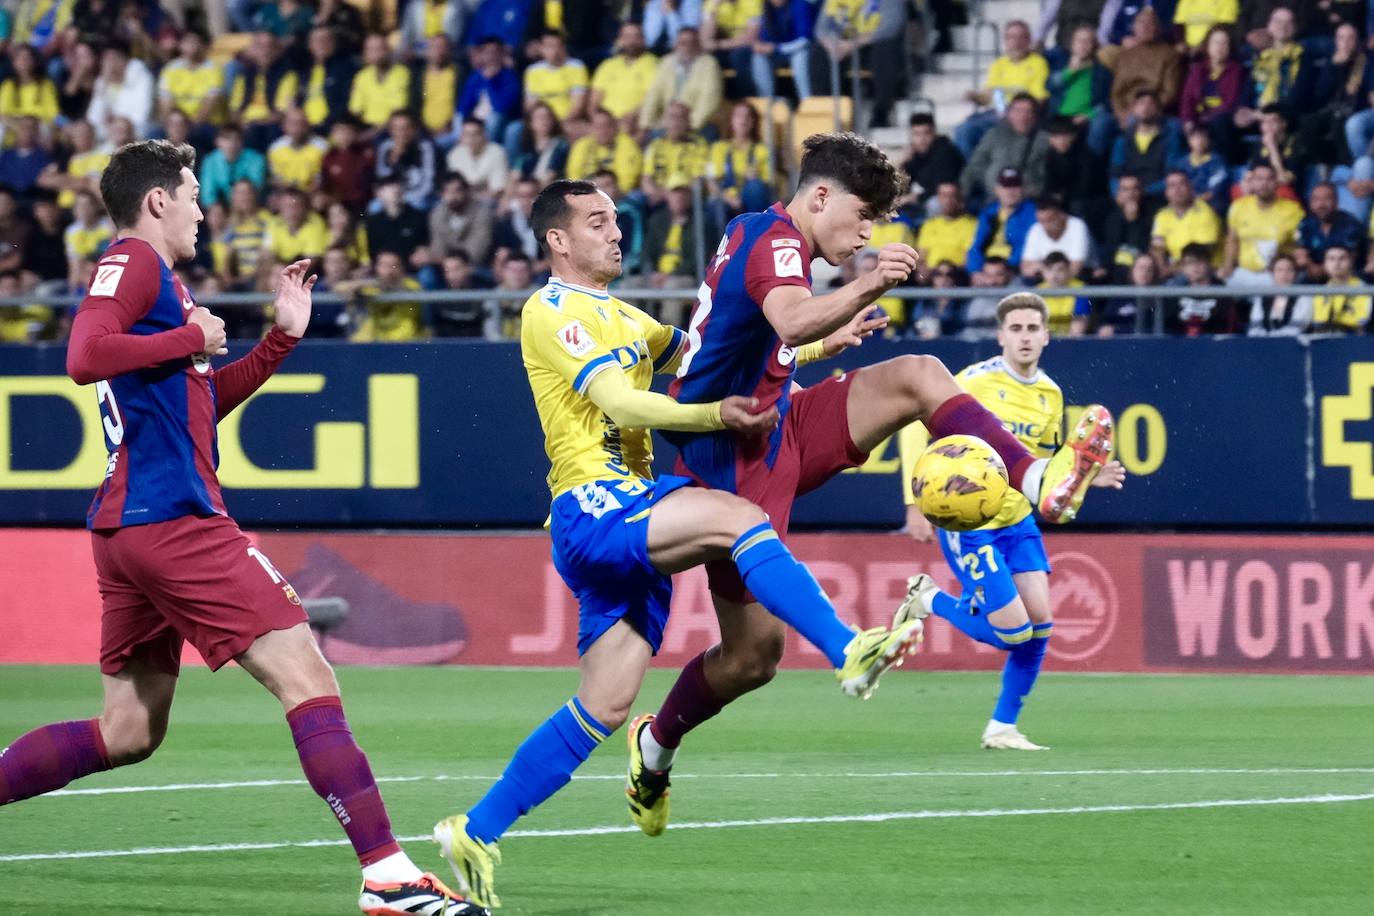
(896, 262)
(212, 326)
(743, 416)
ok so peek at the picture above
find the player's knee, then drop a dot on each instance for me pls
(611, 714)
(740, 516)
(131, 738)
(758, 665)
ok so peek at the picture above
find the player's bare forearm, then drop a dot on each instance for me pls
(800, 318)
(100, 349)
(236, 382)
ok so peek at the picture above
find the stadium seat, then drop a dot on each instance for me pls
(816, 115)
(229, 45)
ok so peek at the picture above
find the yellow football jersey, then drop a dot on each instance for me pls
(568, 335)
(1032, 409)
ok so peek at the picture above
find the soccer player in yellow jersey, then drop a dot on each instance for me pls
(619, 533)
(1002, 566)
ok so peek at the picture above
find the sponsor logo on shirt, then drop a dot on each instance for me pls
(786, 243)
(575, 339)
(106, 280)
(787, 262)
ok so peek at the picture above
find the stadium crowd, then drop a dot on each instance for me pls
(401, 143)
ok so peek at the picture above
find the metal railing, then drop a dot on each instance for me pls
(979, 26)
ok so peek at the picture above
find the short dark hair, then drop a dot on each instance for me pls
(1197, 250)
(1056, 257)
(922, 119)
(136, 169)
(1336, 247)
(551, 210)
(1060, 125)
(1274, 108)
(1050, 202)
(856, 165)
(1146, 92)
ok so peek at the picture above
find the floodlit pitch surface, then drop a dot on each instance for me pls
(1182, 794)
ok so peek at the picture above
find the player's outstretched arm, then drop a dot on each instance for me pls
(236, 382)
(633, 408)
(800, 317)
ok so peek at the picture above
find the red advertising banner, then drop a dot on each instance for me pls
(1293, 604)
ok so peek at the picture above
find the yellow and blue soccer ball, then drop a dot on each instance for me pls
(959, 483)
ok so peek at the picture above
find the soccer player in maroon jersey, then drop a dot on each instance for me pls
(756, 318)
(172, 567)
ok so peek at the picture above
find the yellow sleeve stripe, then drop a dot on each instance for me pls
(769, 535)
(592, 731)
(1042, 630)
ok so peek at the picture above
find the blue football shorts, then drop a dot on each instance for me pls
(601, 549)
(985, 561)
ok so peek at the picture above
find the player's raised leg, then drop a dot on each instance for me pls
(289, 664)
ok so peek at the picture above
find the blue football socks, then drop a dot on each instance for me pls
(1019, 674)
(788, 590)
(542, 765)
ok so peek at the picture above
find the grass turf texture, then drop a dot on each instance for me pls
(816, 747)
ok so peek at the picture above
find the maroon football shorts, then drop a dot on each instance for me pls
(192, 579)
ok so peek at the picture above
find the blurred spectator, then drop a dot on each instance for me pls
(542, 153)
(1018, 71)
(265, 86)
(1323, 227)
(288, 21)
(557, 80)
(295, 159)
(330, 319)
(390, 320)
(688, 76)
(247, 232)
(22, 163)
(1274, 71)
(664, 20)
(877, 30)
(78, 87)
(491, 92)
(727, 32)
(670, 243)
(1280, 315)
(194, 85)
(1071, 171)
(481, 162)
(408, 155)
(505, 21)
(26, 91)
(1137, 314)
(738, 171)
(15, 230)
(606, 147)
(1182, 221)
(347, 233)
(1336, 87)
(1285, 152)
(21, 323)
(395, 226)
(87, 236)
(1206, 170)
(1197, 315)
(230, 163)
(349, 164)
(1148, 63)
(1002, 225)
(947, 236)
(932, 318)
(460, 224)
(513, 235)
(83, 167)
(326, 78)
(212, 243)
(422, 21)
(1145, 148)
(381, 88)
(1068, 314)
(1061, 18)
(1126, 233)
(931, 160)
(1213, 88)
(1012, 143)
(1359, 127)
(677, 157)
(298, 232)
(1340, 313)
(979, 320)
(1080, 88)
(1055, 231)
(124, 89)
(1253, 23)
(1259, 227)
(629, 219)
(1116, 21)
(783, 39)
(622, 81)
(45, 255)
(1200, 18)
(501, 315)
(464, 318)
(92, 20)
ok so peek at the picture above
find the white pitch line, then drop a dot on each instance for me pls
(877, 818)
(900, 774)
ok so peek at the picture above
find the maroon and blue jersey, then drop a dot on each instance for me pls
(159, 421)
(732, 349)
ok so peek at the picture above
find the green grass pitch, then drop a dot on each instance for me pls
(803, 801)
